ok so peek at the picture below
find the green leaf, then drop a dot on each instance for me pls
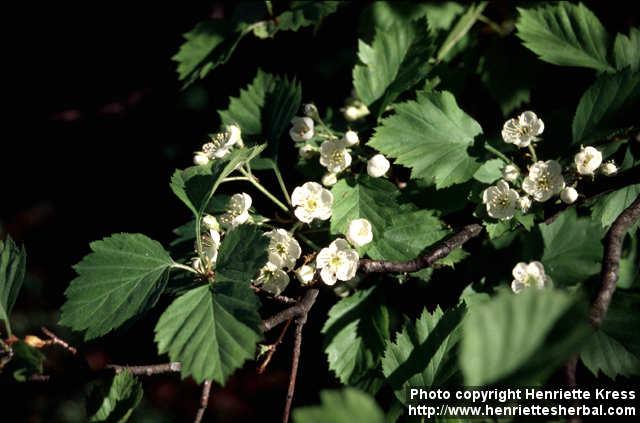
(461, 28)
(626, 50)
(27, 361)
(565, 34)
(355, 332)
(520, 339)
(301, 14)
(196, 185)
(424, 353)
(609, 207)
(121, 279)
(490, 171)
(609, 104)
(348, 405)
(614, 349)
(12, 269)
(572, 248)
(208, 45)
(114, 402)
(396, 61)
(265, 107)
(430, 136)
(213, 329)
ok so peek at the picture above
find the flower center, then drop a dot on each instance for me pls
(280, 249)
(312, 204)
(335, 261)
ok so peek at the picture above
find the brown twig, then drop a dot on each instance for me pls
(611, 262)
(148, 370)
(54, 339)
(300, 308)
(283, 299)
(295, 360)
(204, 401)
(273, 347)
(439, 251)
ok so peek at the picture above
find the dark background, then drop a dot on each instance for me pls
(96, 121)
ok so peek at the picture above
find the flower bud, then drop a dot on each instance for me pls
(329, 179)
(525, 203)
(311, 110)
(351, 137)
(200, 159)
(609, 168)
(305, 273)
(359, 233)
(569, 195)
(234, 135)
(34, 341)
(510, 173)
(306, 151)
(377, 166)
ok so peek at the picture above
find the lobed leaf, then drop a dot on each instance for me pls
(12, 270)
(348, 405)
(116, 401)
(626, 50)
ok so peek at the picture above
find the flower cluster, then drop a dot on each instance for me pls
(283, 251)
(219, 146)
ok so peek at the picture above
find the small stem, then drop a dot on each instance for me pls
(263, 190)
(152, 369)
(204, 400)
(273, 347)
(295, 227)
(498, 153)
(58, 341)
(532, 150)
(295, 360)
(308, 242)
(283, 187)
(235, 178)
(492, 24)
(184, 267)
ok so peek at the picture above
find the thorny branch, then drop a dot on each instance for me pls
(148, 370)
(54, 339)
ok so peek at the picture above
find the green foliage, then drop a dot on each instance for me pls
(116, 400)
(565, 34)
(396, 61)
(609, 104)
(572, 251)
(27, 361)
(355, 333)
(12, 268)
(213, 329)
(348, 405)
(265, 107)
(431, 136)
(120, 280)
(461, 28)
(614, 349)
(195, 185)
(520, 338)
(301, 14)
(425, 352)
(626, 50)
(490, 171)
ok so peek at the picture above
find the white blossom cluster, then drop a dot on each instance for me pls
(543, 179)
(219, 146)
(284, 251)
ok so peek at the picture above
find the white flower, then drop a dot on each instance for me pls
(200, 159)
(510, 173)
(234, 135)
(210, 222)
(359, 232)
(302, 129)
(351, 137)
(609, 168)
(334, 155)
(529, 275)
(311, 110)
(356, 110)
(272, 279)
(501, 201)
(237, 210)
(544, 180)
(211, 244)
(306, 151)
(220, 144)
(283, 249)
(377, 166)
(312, 201)
(525, 203)
(329, 179)
(588, 160)
(569, 195)
(305, 273)
(522, 130)
(337, 262)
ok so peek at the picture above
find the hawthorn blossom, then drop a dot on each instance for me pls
(569, 195)
(237, 210)
(222, 142)
(351, 137)
(210, 222)
(609, 168)
(200, 158)
(329, 179)
(359, 232)
(377, 166)
(305, 273)
(501, 201)
(544, 180)
(306, 151)
(522, 130)
(510, 173)
(337, 262)
(272, 279)
(355, 110)
(210, 246)
(302, 129)
(524, 203)
(312, 201)
(283, 249)
(334, 155)
(529, 275)
(588, 160)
